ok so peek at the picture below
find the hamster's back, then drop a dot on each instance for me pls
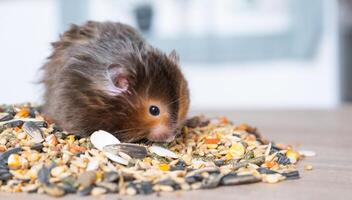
(81, 54)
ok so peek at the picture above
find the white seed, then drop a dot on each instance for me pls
(116, 158)
(57, 171)
(273, 178)
(97, 191)
(21, 135)
(125, 156)
(267, 151)
(93, 165)
(308, 167)
(102, 138)
(307, 153)
(160, 151)
(131, 191)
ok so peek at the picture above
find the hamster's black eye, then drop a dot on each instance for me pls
(154, 110)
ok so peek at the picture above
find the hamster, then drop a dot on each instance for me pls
(105, 76)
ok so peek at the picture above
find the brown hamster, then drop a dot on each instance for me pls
(105, 76)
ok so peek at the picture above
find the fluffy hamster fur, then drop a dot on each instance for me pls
(105, 76)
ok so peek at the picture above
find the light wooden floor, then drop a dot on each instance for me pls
(327, 132)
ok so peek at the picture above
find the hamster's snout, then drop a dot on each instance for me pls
(161, 133)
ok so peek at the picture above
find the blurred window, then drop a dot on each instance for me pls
(214, 31)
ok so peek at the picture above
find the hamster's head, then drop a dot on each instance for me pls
(150, 97)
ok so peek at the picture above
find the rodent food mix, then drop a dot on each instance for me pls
(37, 156)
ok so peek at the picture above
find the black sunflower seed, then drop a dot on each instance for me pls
(5, 175)
(111, 176)
(212, 181)
(234, 179)
(85, 191)
(13, 124)
(43, 175)
(6, 117)
(193, 179)
(264, 170)
(145, 187)
(282, 159)
(180, 165)
(291, 175)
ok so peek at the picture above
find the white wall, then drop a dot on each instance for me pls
(277, 84)
(27, 28)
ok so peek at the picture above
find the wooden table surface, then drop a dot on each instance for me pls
(327, 132)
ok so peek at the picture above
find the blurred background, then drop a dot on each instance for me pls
(247, 54)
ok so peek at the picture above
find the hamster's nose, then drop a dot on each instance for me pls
(161, 133)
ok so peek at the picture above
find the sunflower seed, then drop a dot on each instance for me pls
(209, 170)
(282, 159)
(33, 131)
(133, 150)
(85, 191)
(180, 165)
(212, 181)
(257, 161)
(38, 147)
(5, 117)
(5, 175)
(43, 175)
(291, 175)
(263, 170)
(194, 178)
(41, 124)
(101, 139)
(116, 158)
(67, 188)
(169, 182)
(160, 151)
(249, 155)
(13, 123)
(219, 162)
(69, 184)
(10, 110)
(145, 188)
(111, 176)
(234, 179)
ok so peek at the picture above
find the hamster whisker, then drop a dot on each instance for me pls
(130, 129)
(120, 113)
(129, 138)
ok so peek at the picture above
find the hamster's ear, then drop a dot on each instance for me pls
(118, 80)
(174, 57)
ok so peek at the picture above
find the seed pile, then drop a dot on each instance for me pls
(36, 156)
